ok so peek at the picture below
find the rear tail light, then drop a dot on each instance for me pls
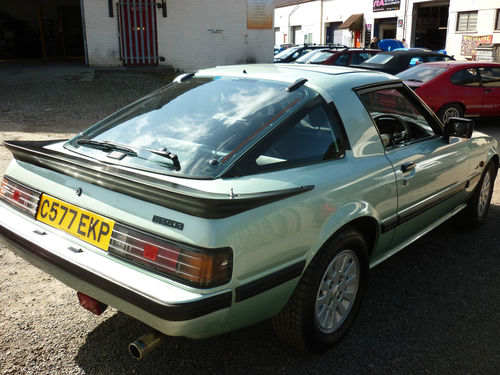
(198, 267)
(19, 196)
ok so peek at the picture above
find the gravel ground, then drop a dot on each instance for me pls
(431, 309)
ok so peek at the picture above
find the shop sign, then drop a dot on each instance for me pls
(470, 43)
(381, 5)
(260, 14)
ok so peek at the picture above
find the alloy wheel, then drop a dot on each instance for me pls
(337, 291)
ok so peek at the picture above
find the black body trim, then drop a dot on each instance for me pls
(388, 224)
(171, 312)
(168, 194)
(253, 288)
(409, 214)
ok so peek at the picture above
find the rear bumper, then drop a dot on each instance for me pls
(149, 298)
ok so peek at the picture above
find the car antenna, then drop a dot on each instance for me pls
(298, 83)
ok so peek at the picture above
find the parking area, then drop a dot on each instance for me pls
(431, 309)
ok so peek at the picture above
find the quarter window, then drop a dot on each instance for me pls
(467, 21)
(342, 59)
(398, 119)
(309, 137)
(465, 77)
(497, 20)
(490, 77)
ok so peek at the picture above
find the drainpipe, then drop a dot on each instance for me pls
(405, 19)
(84, 27)
(289, 28)
(321, 28)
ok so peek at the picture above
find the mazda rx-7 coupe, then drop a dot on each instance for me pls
(242, 193)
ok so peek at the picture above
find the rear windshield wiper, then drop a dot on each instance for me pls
(123, 151)
(414, 80)
(167, 154)
(105, 146)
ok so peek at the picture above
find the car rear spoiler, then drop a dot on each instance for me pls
(139, 185)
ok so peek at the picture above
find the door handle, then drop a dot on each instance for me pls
(406, 167)
(487, 91)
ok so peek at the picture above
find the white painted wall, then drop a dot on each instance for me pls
(185, 38)
(306, 15)
(485, 23)
(103, 46)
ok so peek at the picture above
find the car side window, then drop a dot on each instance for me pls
(490, 77)
(310, 137)
(465, 77)
(433, 58)
(342, 59)
(398, 120)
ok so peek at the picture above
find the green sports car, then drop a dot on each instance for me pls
(242, 193)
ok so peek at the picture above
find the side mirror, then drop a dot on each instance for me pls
(458, 127)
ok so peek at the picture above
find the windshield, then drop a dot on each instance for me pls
(421, 73)
(321, 57)
(308, 56)
(285, 53)
(206, 123)
(379, 58)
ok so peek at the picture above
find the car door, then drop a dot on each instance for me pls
(490, 86)
(431, 173)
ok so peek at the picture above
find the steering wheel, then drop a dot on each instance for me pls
(397, 137)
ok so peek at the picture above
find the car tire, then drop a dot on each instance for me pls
(477, 208)
(328, 296)
(450, 110)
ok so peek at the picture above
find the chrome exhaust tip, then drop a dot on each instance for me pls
(145, 344)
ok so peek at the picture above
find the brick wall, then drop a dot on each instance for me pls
(196, 34)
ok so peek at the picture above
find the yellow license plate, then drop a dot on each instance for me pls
(86, 225)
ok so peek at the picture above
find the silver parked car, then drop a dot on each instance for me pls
(243, 193)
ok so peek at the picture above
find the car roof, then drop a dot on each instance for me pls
(326, 79)
(413, 52)
(461, 64)
(351, 50)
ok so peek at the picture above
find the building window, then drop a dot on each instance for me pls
(497, 20)
(467, 21)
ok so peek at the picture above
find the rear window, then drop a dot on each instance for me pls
(359, 57)
(380, 58)
(421, 73)
(206, 122)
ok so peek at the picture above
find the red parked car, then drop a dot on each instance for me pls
(457, 88)
(346, 56)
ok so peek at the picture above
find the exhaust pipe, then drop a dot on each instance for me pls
(145, 344)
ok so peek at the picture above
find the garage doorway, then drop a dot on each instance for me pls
(431, 26)
(333, 33)
(49, 29)
(385, 28)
